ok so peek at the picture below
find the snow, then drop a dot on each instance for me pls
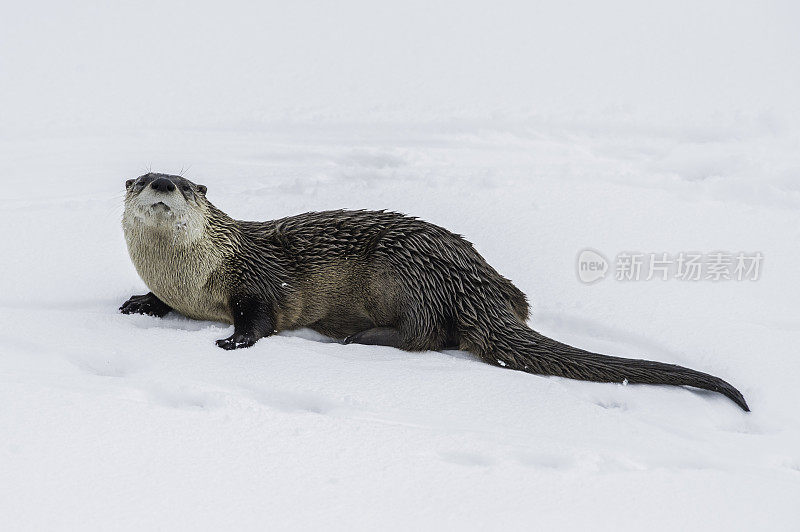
(536, 131)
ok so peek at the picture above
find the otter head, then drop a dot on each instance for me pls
(165, 205)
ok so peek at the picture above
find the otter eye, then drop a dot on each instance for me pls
(202, 189)
(129, 182)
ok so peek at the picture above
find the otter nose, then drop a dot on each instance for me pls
(162, 185)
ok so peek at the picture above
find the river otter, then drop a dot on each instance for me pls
(369, 277)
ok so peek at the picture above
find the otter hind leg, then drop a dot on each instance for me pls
(146, 304)
(387, 336)
(391, 337)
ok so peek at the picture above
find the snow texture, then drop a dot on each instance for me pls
(535, 130)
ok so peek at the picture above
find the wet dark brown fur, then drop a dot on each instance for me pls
(372, 277)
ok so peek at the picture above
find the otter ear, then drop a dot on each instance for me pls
(202, 189)
(129, 182)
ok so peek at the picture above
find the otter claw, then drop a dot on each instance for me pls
(236, 342)
(147, 304)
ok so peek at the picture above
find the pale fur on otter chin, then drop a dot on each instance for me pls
(183, 222)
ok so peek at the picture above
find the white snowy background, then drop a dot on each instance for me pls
(535, 130)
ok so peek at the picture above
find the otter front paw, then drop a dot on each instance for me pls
(147, 304)
(236, 341)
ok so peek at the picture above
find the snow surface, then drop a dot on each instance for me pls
(534, 130)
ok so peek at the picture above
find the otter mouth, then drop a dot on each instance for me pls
(160, 205)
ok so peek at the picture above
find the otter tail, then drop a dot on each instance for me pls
(515, 346)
